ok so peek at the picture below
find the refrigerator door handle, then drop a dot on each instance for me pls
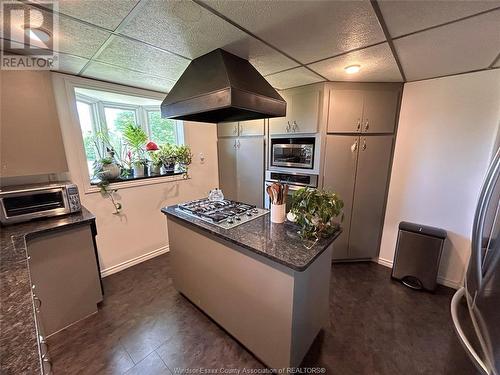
(480, 216)
(461, 335)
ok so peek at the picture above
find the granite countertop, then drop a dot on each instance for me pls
(278, 242)
(18, 343)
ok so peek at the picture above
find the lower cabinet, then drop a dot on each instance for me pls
(357, 168)
(241, 169)
(65, 277)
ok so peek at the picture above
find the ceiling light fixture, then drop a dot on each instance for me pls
(351, 69)
(37, 35)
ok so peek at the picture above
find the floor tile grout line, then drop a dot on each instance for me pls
(161, 358)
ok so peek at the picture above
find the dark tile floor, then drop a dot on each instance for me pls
(376, 327)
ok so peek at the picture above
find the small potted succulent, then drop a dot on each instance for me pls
(184, 157)
(314, 211)
(168, 157)
(154, 156)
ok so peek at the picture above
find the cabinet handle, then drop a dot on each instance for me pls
(239, 143)
(367, 125)
(295, 126)
(358, 127)
(48, 363)
(234, 144)
(364, 145)
(354, 147)
(235, 129)
(288, 127)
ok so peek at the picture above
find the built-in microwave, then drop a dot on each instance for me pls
(27, 202)
(293, 152)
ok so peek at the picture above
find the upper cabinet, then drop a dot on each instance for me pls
(241, 129)
(31, 141)
(302, 111)
(363, 110)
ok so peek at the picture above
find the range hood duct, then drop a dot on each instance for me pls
(222, 87)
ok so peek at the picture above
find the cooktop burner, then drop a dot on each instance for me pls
(226, 213)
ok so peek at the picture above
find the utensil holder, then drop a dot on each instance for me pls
(278, 213)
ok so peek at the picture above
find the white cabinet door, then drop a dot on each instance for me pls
(227, 129)
(345, 111)
(227, 167)
(305, 111)
(250, 170)
(280, 125)
(379, 111)
(251, 127)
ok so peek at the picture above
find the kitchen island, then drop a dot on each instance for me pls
(260, 281)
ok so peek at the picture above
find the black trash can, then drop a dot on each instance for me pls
(418, 252)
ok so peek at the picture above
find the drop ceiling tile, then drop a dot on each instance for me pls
(456, 48)
(377, 65)
(182, 27)
(403, 17)
(265, 59)
(70, 64)
(127, 77)
(135, 55)
(306, 30)
(293, 78)
(72, 37)
(104, 13)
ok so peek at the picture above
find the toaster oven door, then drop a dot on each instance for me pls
(24, 206)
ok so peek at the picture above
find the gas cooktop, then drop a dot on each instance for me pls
(225, 214)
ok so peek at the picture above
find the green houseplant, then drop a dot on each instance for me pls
(184, 157)
(135, 138)
(168, 156)
(314, 211)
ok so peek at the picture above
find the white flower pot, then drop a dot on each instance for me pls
(154, 170)
(278, 213)
(138, 170)
(111, 171)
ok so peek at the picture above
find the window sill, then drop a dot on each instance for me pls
(125, 183)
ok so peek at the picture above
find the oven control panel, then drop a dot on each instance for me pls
(73, 198)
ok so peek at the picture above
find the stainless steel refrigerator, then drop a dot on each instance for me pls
(482, 281)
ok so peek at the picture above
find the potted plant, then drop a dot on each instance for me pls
(314, 211)
(135, 138)
(184, 157)
(154, 155)
(110, 170)
(168, 157)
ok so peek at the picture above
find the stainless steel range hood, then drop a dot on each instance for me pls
(221, 87)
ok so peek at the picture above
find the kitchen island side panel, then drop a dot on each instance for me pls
(249, 295)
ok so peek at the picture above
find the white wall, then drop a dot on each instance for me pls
(140, 230)
(447, 131)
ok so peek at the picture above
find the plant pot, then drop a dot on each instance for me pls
(138, 170)
(278, 213)
(154, 170)
(169, 168)
(111, 171)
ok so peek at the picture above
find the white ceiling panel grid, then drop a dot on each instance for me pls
(182, 27)
(306, 30)
(403, 17)
(292, 78)
(134, 55)
(128, 77)
(70, 64)
(459, 47)
(377, 65)
(104, 13)
(264, 58)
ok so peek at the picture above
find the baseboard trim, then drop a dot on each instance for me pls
(132, 262)
(440, 280)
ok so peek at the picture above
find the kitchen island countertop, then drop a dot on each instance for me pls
(278, 242)
(19, 353)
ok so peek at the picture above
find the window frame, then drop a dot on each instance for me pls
(73, 134)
